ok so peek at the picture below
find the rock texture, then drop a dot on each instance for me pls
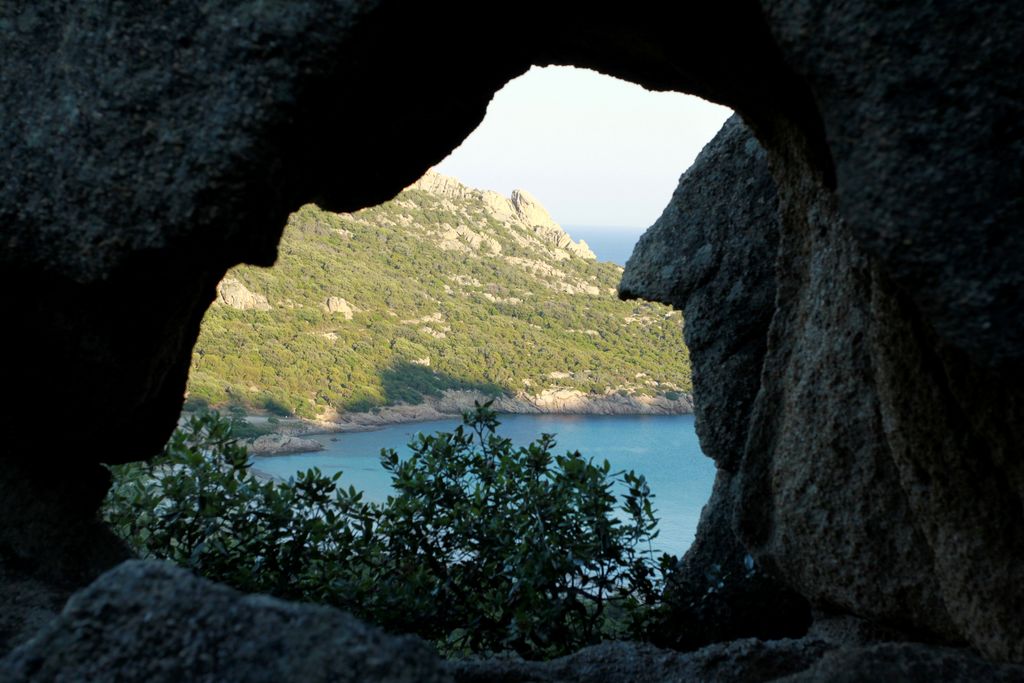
(282, 444)
(152, 621)
(878, 470)
(712, 255)
(51, 542)
(27, 604)
(520, 208)
(935, 254)
(748, 661)
(231, 292)
(336, 304)
(866, 430)
(905, 662)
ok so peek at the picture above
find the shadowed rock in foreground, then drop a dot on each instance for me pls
(152, 621)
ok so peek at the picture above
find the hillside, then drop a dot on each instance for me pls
(443, 288)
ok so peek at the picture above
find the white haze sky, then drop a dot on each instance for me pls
(595, 150)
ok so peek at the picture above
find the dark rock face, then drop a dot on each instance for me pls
(156, 622)
(928, 145)
(748, 661)
(712, 255)
(823, 456)
(905, 662)
(51, 543)
(152, 621)
(880, 471)
(865, 409)
(926, 135)
(147, 152)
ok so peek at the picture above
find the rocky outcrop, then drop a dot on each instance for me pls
(231, 292)
(282, 444)
(152, 621)
(336, 304)
(445, 186)
(521, 208)
(921, 317)
(711, 255)
(572, 401)
(453, 402)
(842, 434)
(530, 212)
(156, 622)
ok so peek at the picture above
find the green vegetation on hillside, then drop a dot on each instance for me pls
(443, 295)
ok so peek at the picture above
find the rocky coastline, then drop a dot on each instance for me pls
(286, 435)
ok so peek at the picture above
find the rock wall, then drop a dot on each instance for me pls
(875, 467)
(711, 255)
(894, 359)
(152, 621)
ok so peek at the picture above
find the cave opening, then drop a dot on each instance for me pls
(464, 287)
(377, 325)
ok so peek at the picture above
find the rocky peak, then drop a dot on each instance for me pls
(521, 207)
(445, 186)
(531, 211)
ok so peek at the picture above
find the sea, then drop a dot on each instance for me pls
(663, 448)
(609, 243)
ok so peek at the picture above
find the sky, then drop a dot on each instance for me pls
(595, 150)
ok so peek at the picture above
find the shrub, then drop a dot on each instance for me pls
(483, 547)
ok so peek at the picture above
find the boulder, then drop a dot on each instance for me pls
(746, 661)
(336, 304)
(282, 444)
(231, 292)
(153, 621)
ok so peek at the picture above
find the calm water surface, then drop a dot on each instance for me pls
(663, 448)
(608, 243)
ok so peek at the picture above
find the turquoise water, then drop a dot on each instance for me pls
(663, 448)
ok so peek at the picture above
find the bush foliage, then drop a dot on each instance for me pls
(483, 547)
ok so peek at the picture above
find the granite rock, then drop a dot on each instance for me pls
(152, 621)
